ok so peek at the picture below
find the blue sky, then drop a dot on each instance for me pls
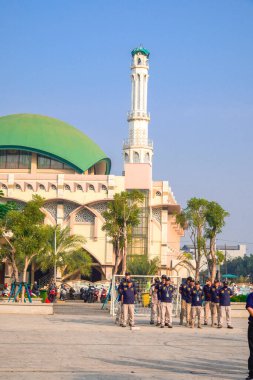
(71, 60)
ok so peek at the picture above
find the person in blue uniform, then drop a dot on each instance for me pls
(167, 291)
(215, 303)
(127, 298)
(249, 307)
(188, 298)
(197, 298)
(155, 306)
(158, 290)
(182, 291)
(207, 302)
(225, 293)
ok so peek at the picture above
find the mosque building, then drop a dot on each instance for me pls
(45, 156)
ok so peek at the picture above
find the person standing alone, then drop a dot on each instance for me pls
(166, 302)
(127, 299)
(249, 307)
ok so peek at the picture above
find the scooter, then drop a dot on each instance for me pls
(63, 293)
(103, 295)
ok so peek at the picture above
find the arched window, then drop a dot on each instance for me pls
(67, 187)
(18, 187)
(147, 158)
(158, 194)
(79, 187)
(126, 157)
(4, 187)
(91, 188)
(29, 187)
(139, 61)
(42, 187)
(104, 188)
(136, 157)
(53, 187)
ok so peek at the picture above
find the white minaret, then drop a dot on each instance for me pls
(138, 148)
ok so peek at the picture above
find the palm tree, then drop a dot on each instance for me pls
(66, 253)
(121, 216)
(142, 265)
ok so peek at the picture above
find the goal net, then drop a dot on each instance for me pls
(143, 299)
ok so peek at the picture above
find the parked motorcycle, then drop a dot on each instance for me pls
(52, 293)
(63, 292)
(103, 295)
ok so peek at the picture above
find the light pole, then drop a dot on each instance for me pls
(55, 247)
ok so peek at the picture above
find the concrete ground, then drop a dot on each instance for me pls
(82, 342)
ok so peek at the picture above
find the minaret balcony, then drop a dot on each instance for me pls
(135, 115)
(143, 143)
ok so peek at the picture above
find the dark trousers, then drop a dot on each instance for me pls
(250, 341)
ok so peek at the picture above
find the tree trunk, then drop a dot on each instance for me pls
(24, 280)
(214, 259)
(124, 256)
(117, 262)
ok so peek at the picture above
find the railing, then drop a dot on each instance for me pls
(133, 114)
(44, 281)
(137, 142)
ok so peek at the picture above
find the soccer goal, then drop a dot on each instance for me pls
(142, 303)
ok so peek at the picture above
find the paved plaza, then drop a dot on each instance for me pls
(82, 342)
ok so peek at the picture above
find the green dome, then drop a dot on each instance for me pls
(51, 137)
(141, 50)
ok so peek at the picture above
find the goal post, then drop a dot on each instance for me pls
(142, 303)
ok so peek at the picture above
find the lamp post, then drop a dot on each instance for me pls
(55, 247)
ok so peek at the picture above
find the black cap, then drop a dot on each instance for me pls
(127, 274)
(192, 280)
(189, 278)
(164, 276)
(157, 279)
(225, 283)
(168, 279)
(197, 283)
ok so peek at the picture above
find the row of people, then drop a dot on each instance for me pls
(215, 298)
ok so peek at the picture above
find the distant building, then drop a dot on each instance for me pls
(231, 251)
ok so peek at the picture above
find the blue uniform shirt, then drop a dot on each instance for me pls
(197, 297)
(167, 293)
(224, 295)
(207, 292)
(188, 294)
(129, 294)
(182, 291)
(215, 294)
(249, 303)
(158, 288)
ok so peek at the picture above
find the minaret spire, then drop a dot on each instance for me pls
(138, 148)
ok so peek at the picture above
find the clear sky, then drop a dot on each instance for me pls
(71, 60)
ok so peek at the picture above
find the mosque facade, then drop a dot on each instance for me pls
(45, 156)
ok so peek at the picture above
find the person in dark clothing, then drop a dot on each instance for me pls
(188, 298)
(182, 291)
(197, 296)
(225, 293)
(207, 303)
(127, 298)
(249, 307)
(215, 303)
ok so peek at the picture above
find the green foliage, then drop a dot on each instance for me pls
(241, 266)
(141, 265)
(220, 257)
(5, 208)
(25, 233)
(239, 298)
(121, 216)
(69, 255)
(215, 219)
